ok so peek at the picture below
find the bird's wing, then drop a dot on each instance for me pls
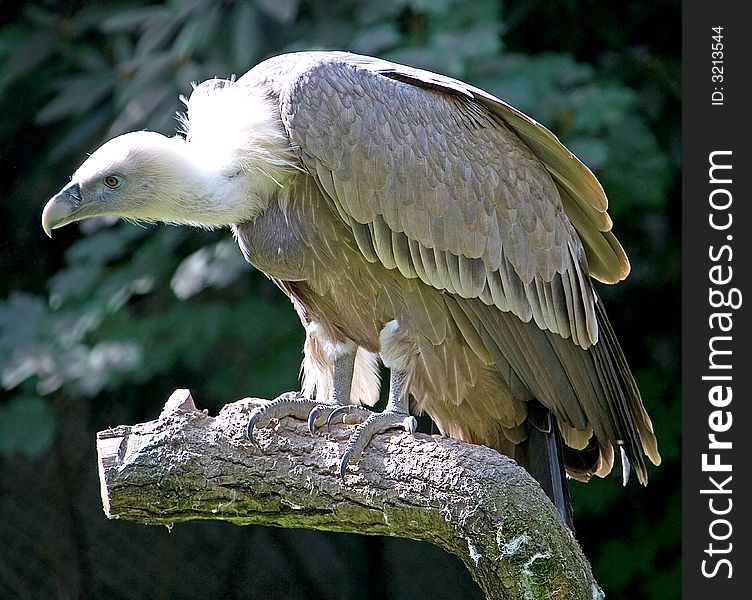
(583, 198)
(439, 186)
(452, 186)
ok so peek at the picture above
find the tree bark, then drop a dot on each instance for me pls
(468, 499)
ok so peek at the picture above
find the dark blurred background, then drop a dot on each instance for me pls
(100, 324)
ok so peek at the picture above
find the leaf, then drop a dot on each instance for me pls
(73, 283)
(151, 72)
(104, 247)
(142, 107)
(593, 152)
(40, 17)
(283, 11)
(20, 316)
(156, 36)
(376, 40)
(27, 426)
(36, 48)
(215, 266)
(103, 362)
(80, 136)
(132, 19)
(76, 96)
(196, 33)
(246, 36)
(435, 7)
(638, 172)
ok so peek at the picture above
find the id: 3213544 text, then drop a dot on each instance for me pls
(717, 97)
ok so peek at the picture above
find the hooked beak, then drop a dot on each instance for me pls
(62, 208)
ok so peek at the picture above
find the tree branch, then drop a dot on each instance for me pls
(469, 500)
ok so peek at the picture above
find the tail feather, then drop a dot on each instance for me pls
(546, 459)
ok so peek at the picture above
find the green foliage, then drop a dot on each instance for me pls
(125, 309)
(27, 425)
(113, 317)
(635, 556)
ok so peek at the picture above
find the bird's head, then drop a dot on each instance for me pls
(233, 157)
(145, 176)
(140, 176)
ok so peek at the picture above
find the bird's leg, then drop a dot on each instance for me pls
(396, 415)
(336, 407)
(339, 397)
(398, 351)
(300, 406)
(344, 365)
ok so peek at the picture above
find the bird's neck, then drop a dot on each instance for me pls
(237, 153)
(216, 193)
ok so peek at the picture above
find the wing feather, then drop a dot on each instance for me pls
(581, 192)
(382, 238)
(452, 186)
(450, 176)
(401, 251)
(364, 239)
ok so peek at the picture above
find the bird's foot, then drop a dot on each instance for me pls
(318, 414)
(371, 425)
(329, 414)
(289, 404)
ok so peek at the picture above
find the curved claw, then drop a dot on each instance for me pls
(315, 413)
(338, 414)
(289, 404)
(252, 422)
(343, 463)
(355, 447)
(410, 424)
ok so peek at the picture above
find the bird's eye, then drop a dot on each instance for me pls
(112, 181)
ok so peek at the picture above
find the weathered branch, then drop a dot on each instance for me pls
(468, 499)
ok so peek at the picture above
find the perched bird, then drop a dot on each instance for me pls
(414, 220)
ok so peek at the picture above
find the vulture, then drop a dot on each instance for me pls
(414, 221)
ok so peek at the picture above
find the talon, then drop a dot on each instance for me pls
(410, 424)
(313, 415)
(289, 404)
(338, 414)
(375, 424)
(253, 422)
(249, 430)
(343, 464)
(312, 420)
(352, 453)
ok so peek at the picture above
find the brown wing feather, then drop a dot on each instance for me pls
(582, 195)
(432, 179)
(451, 177)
